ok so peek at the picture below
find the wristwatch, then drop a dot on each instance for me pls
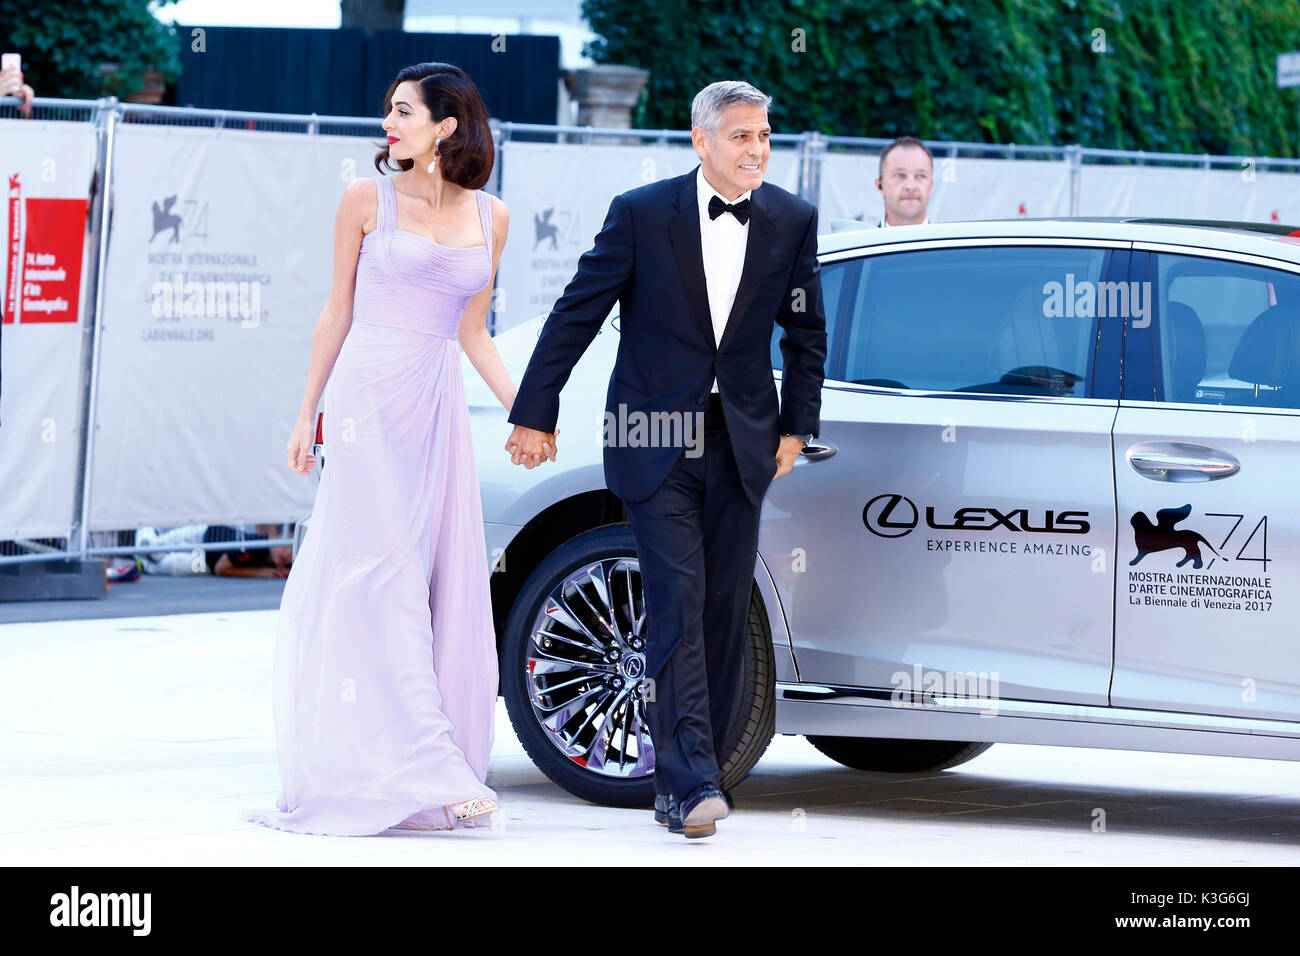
(806, 438)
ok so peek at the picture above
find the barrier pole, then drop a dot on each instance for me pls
(108, 110)
(1075, 155)
(812, 145)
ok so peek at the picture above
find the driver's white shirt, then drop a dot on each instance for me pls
(925, 222)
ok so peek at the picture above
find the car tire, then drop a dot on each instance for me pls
(890, 755)
(753, 717)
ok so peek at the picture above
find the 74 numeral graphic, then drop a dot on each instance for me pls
(1261, 529)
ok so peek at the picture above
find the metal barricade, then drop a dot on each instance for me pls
(108, 113)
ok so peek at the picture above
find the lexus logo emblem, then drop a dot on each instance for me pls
(890, 516)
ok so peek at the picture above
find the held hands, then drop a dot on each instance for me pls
(787, 454)
(530, 447)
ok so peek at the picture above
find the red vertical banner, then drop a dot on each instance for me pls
(13, 248)
(45, 244)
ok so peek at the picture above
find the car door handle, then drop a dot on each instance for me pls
(817, 450)
(1179, 461)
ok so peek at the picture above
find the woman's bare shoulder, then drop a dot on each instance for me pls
(360, 201)
(500, 214)
(362, 190)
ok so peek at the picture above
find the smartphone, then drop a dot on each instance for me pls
(11, 61)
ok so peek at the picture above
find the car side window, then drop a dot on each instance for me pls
(1227, 333)
(1017, 320)
(836, 278)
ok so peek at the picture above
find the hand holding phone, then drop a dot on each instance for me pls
(12, 65)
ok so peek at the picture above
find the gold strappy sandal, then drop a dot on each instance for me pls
(469, 810)
(454, 813)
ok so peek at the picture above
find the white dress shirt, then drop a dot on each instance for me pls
(722, 242)
(885, 225)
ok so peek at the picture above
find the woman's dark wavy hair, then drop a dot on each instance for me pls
(466, 156)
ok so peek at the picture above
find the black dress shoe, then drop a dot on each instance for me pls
(700, 808)
(664, 800)
(666, 812)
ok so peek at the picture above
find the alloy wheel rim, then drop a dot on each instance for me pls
(585, 669)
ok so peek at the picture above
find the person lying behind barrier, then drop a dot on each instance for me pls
(272, 562)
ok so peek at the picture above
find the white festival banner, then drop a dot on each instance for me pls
(559, 195)
(47, 297)
(1183, 193)
(963, 189)
(219, 265)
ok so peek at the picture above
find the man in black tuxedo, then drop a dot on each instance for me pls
(702, 265)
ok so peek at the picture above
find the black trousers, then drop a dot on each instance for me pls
(696, 538)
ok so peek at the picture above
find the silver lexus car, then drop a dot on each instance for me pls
(1048, 505)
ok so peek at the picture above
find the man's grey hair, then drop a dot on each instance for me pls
(707, 107)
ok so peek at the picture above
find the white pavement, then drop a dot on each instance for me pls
(133, 741)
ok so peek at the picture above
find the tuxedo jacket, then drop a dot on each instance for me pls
(647, 258)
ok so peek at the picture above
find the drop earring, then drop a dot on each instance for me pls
(435, 154)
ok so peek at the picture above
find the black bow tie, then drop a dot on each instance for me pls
(738, 209)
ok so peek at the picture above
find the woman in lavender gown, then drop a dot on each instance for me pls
(385, 669)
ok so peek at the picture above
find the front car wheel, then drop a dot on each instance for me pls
(573, 674)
